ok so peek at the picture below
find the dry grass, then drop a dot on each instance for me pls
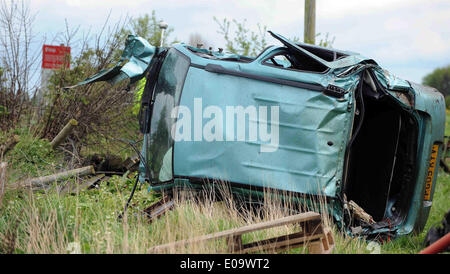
(50, 223)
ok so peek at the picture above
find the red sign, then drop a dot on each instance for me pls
(54, 57)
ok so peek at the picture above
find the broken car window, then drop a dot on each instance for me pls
(279, 60)
(293, 60)
(166, 97)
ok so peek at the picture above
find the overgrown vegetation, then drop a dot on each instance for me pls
(33, 157)
(50, 222)
(240, 39)
(18, 63)
(439, 79)
(103, 112)
(53, 222)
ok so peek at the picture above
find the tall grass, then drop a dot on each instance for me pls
(49, 222)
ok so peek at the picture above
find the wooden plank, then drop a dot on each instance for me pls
(62, 135)
(325, 245)
(292, 246)
(158, 209)
(74, 188)
(313, 227)
(316, 247)
(321, 242)
(131, 162)
(42, 181)
(302, 217)
(330, 241)
(280, 242)
(360, 213)
(235, 244)
(330, 238)
(298, 218)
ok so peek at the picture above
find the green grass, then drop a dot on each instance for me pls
(48, 222)
(441, 204)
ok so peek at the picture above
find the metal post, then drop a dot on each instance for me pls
(310, 22)
(163, 26)
(162, 37)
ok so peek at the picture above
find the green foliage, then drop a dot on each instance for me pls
(84, 217)
(439, 79)
(47, 222)
(414, 243)
(244, 41)
(139, 90)
(4, 111)
(2, 80)
(100, 109)
(32, 156)
(147, 26)
(447, 101)
(326, 41)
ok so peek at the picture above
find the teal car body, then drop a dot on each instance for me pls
(346, 128)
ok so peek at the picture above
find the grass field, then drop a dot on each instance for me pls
(48, 222)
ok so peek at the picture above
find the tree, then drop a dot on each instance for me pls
(98, 107)
(18, 62)
(243, 41)
(147, 27)
(439, 79)
(102, 111)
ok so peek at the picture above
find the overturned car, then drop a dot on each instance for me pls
(297, 118)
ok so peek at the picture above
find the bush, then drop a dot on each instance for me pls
(32, 156)
(439, 79)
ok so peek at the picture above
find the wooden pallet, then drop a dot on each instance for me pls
(75, 187)
(317, 238)
(159, 208)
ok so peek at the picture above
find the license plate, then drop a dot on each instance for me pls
(430, 173)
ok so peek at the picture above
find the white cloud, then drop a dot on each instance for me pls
(103, 3)
(333, 9)
(397, 33)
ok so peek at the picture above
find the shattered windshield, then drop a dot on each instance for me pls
(166, 96)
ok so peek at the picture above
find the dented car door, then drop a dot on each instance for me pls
(297, 118)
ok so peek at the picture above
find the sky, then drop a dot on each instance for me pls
(410, 38)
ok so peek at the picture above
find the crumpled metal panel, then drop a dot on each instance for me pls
(313, 131)
(134, 61)
(390, 81)
(313, 128)
(347, 61)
